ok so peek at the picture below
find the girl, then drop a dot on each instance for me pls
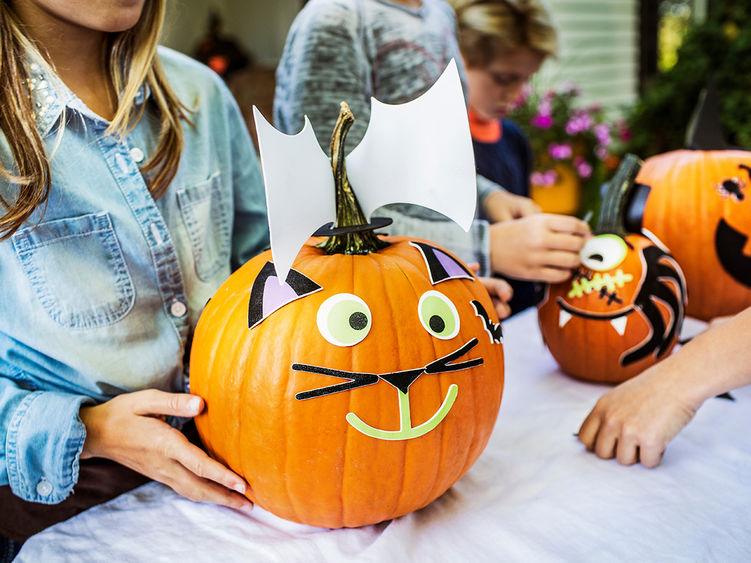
(128, 188)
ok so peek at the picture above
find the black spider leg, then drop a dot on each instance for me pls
(661, 335)
(356, 379)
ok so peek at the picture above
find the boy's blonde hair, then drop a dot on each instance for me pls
(487, 28)
(131, 62)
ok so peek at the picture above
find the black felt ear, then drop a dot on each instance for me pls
(704, 131)
(441, 265)
(267, 295)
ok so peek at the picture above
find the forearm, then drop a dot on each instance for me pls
(42, 437)
(715, 361)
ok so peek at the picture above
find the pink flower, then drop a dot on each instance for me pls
(583, 168)
(542, 121)
(559, 151)
(601, 152)
(544, 179)
(624, 133)
(602, 132)
(580, 122)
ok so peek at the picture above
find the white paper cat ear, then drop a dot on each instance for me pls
(419, 152)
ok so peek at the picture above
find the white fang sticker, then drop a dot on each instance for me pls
(563, 318)
(619, 324)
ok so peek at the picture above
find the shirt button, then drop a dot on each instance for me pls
(136, 154)
(178, 309)
(44, 488)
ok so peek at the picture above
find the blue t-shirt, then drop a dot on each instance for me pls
(508, 163)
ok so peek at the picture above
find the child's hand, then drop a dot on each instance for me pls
(636, 420)
(129, 429)
(500, 291)
(502, 205)
(540, 247)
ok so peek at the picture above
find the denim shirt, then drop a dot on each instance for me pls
(101, 288)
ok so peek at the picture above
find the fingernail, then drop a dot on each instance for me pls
(194, 404)
(239, 487)
(247, 508)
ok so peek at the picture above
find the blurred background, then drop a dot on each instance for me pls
(633, 68)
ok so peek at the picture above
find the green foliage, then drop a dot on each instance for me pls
(721, 45)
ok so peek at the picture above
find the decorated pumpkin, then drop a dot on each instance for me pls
(699, 205)
(361, 388)
(623, 308)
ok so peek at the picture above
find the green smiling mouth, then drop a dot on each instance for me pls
(406, 430)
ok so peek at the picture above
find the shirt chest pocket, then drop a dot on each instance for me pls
(77, 270)
(207, 210)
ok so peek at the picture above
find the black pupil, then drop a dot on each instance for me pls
(597, 257)
(437, 324)
(358, 320)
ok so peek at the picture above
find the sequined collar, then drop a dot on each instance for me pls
(50, 96)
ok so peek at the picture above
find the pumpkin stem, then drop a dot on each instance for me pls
(348, 212)
(617, 194)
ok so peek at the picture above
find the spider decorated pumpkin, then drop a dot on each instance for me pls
(623, 308)
(359, 390)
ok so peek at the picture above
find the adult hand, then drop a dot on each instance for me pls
(130, 430)
(501, 205)
(636, 420)
(540, 247)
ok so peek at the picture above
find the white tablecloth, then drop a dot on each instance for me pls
(533, 495)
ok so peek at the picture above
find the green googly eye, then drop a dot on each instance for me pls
(438, 315)
(344, 319)
(603, 252)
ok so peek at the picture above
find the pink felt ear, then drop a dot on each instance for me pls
(267, 296)
(441, 265)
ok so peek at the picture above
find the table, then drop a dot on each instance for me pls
(533, 495)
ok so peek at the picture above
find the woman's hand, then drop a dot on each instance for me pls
(130, 430)
(636, 420)
(540, 247)
(501, 205)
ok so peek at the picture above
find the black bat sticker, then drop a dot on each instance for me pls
(494, 330)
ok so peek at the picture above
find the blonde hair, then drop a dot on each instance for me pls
(488, 28)
(131, 63)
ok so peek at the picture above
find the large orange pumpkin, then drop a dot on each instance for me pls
(358, 391)
(699, 205)
(622, 310)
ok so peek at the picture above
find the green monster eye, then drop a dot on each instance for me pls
(603, 252)
(438, 315)
(344, 319)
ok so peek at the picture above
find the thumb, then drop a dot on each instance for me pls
(154, 402)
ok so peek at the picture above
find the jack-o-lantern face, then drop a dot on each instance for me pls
(699, 206)
(337, 393)
(619, 313)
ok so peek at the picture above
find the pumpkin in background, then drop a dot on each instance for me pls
(563, 196)
(362, 388)
(699, 205)
(622, 310)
